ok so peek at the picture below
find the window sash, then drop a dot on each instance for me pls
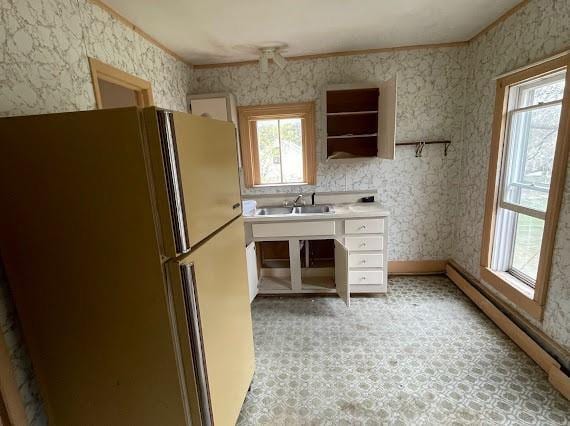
(508, 149)
(257, 160)
(517, 208)
(504, 245)
(533, 84)
(533, 107)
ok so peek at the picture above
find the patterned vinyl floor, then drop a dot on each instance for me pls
(421, 355)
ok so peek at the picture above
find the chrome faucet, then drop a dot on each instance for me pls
(299, 201)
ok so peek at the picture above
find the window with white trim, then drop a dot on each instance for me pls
(531, 131)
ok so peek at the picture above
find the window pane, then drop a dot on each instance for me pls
(269, 152)
(528, 239)
(531, 145)
(291, 149)
(546, 89)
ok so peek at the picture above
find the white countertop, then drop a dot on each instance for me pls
(341, 211)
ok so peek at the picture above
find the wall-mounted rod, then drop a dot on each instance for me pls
(420, 145)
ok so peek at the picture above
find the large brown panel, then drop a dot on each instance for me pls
(80, 248)
(220, 281)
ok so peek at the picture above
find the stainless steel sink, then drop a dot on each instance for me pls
(275, 211)
(313, 209)
(270, 211)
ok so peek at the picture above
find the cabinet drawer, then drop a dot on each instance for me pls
(364, 226)
(293, 229)
(375, 242)
(365, 260)
(366, 277)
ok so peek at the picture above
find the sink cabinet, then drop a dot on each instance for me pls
(360, 260)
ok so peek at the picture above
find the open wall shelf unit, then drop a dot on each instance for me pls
(360, 120)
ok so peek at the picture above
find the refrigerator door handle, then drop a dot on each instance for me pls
(175, 196)
(196, 343)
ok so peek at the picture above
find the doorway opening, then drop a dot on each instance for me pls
(116, 89)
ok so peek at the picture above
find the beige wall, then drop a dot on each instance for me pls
(44, 68)
(536, 31)
(45, 45)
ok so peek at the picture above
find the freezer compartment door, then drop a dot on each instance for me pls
(200, 168)
(212, 307)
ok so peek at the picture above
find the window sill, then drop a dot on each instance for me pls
(514, 290)
(278, 185)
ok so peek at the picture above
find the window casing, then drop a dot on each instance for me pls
(278, 144)
(527, 168)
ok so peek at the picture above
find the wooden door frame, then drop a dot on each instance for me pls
(102, 71)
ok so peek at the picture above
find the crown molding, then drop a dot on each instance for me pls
(152, 40)
(341, 53)
(499, 20)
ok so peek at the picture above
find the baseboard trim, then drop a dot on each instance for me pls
(557, 378)
(416, 267)
(560, 381)
(559, 353)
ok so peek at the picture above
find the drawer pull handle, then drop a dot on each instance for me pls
(362, 227)
(362, 278)
(363, 261)
(363, 244)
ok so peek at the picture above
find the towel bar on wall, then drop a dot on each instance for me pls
(420, 146)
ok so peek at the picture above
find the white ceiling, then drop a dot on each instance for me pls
(215, 31)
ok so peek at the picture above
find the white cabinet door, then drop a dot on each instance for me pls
(387, 99)
(252, 278)
(211, 107)
(341, 272)
(221, 106)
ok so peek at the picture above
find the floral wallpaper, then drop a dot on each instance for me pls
(536, 31)
(436, 201)
(418, 191)
(45, 45)
(44, 68)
